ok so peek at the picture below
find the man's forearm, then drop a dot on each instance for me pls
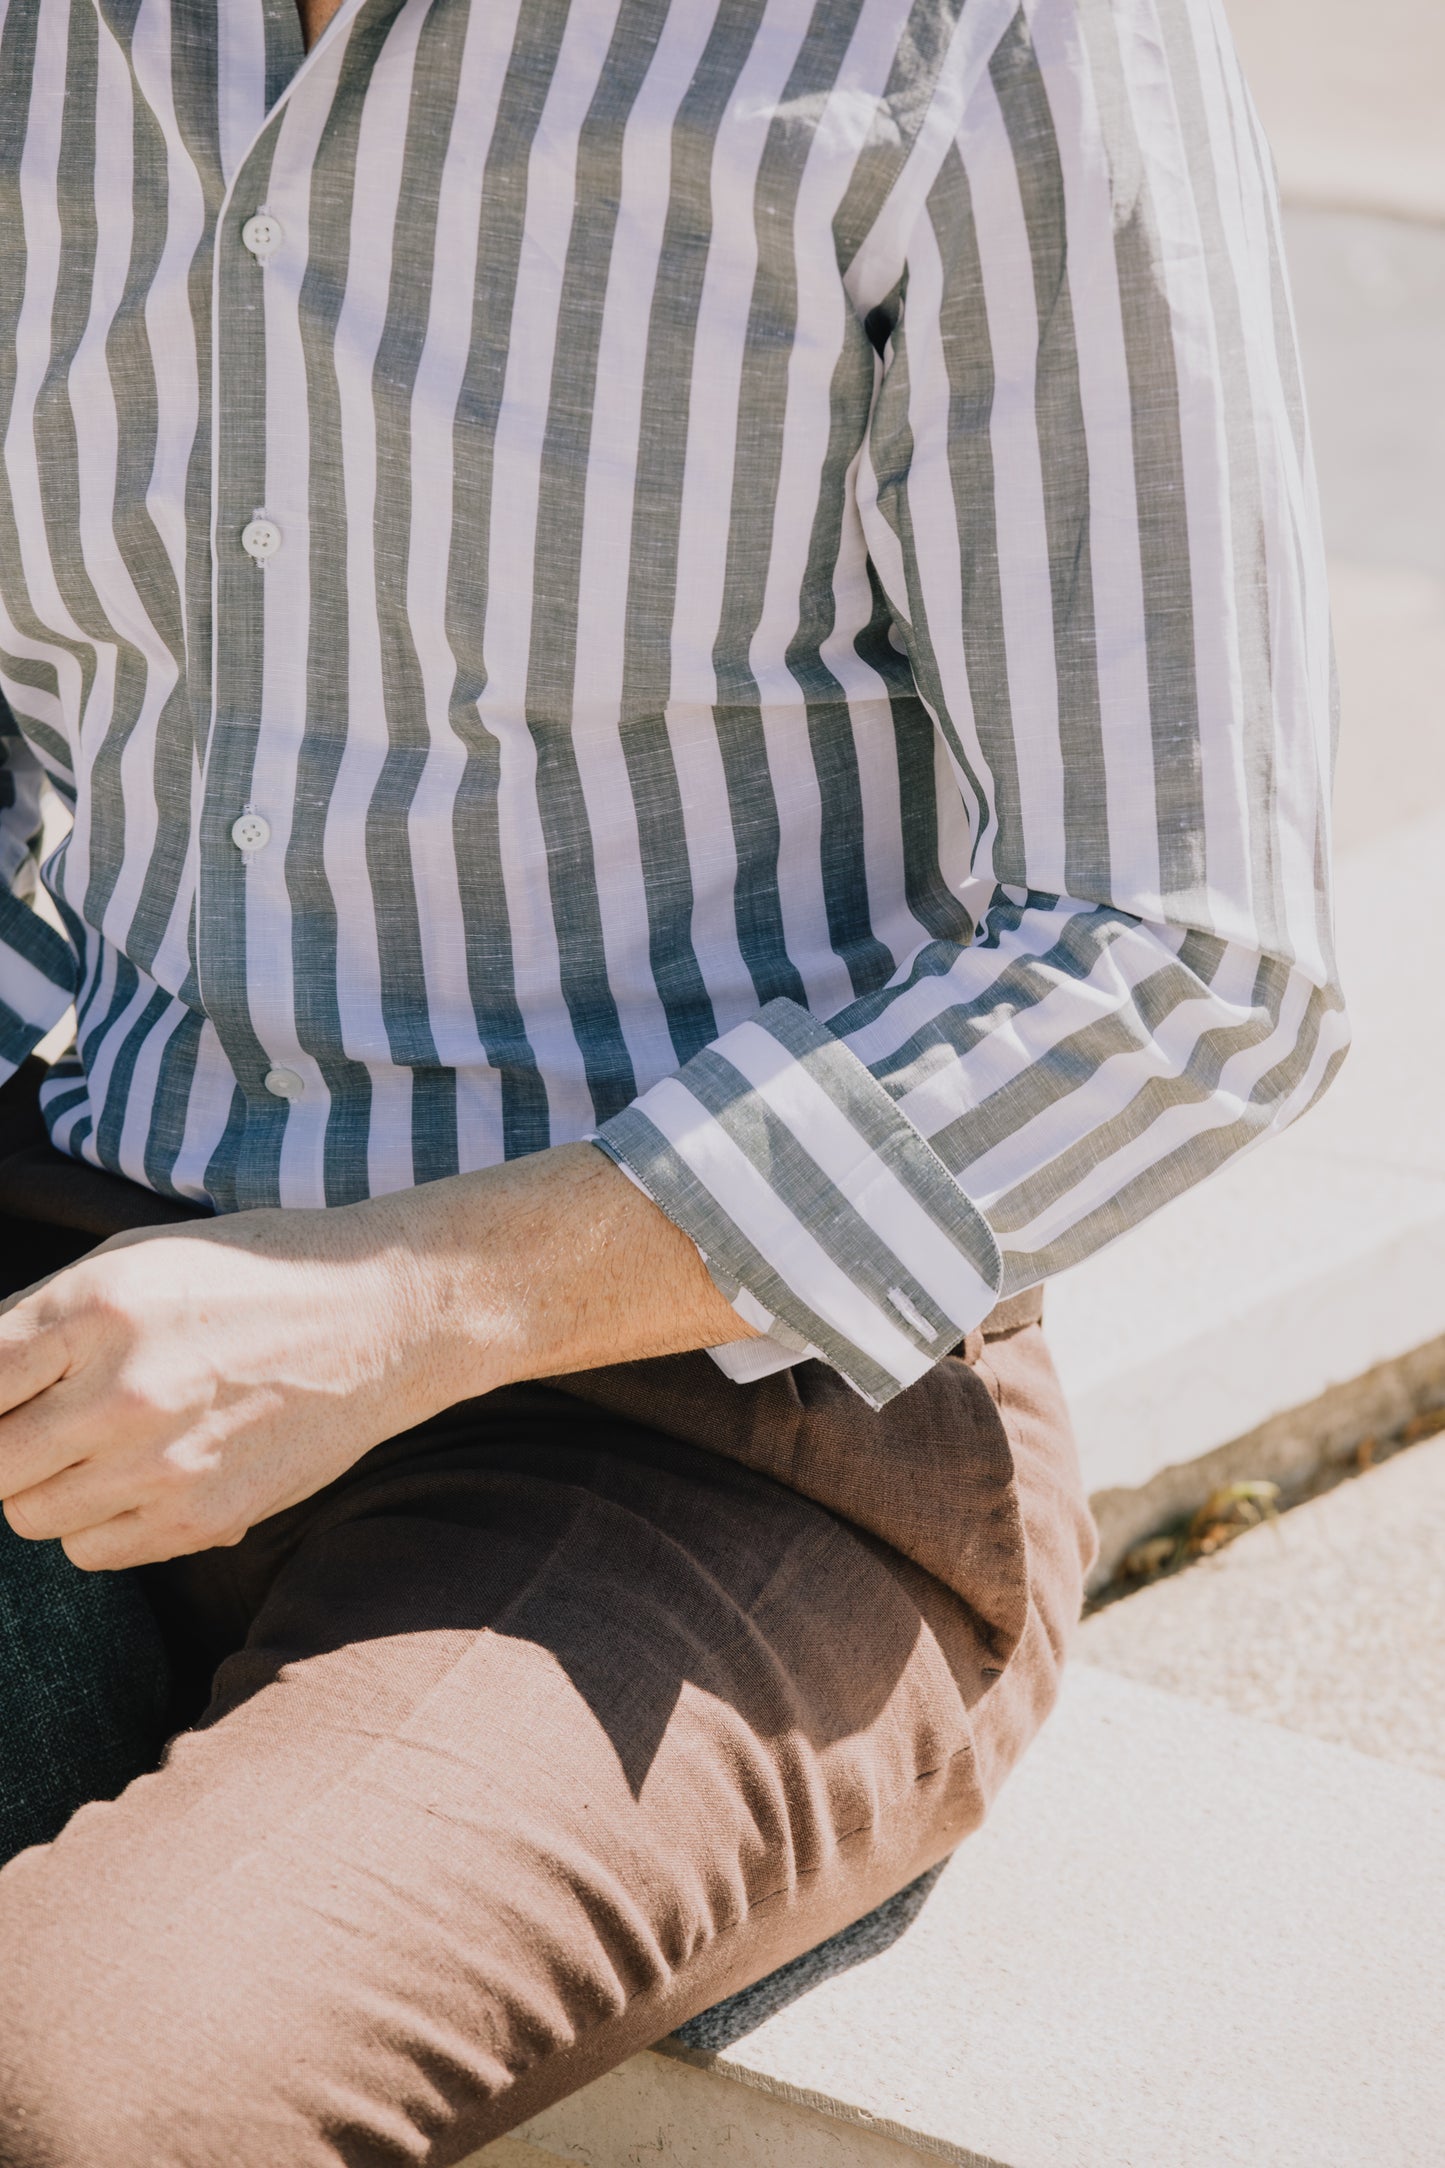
(182, 1383)
(553, 1263)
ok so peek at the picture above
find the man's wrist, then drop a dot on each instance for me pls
(544, 1265)
(439, 1287)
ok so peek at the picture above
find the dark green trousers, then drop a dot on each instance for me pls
(84, 1680)
(84, 1689)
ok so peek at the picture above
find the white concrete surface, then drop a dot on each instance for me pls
(1350, 96)
(1390, 646)
(1369, 297)
(1185, 1939)
(1304, 1264)
(1330, 1620)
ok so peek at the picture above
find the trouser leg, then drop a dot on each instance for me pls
(549, 1731)
(84, 1689)
(84, 1684)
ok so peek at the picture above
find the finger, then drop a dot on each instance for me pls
(142, 1538)
(34, 1347)
(109, 1546)
(81, 1496)
(56, 1430)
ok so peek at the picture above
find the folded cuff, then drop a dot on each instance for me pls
(820, 1211)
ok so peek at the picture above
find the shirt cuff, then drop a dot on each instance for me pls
(822, 1214)
(37, 981)
(745, 1361)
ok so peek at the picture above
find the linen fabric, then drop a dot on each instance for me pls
(736, 575)
(84, 1688)
(85, 1681)
(541, 1732)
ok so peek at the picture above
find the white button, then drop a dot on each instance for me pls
(261, 538)
(251, 832)
(262, 235)
(283, 1084)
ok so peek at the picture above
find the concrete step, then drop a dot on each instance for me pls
(1330, 1620)
(1185, 1939)
(1296, 1302)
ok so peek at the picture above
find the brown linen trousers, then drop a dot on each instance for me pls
(553, 1722)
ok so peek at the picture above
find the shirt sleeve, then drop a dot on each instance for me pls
(1088, 498)
(37, 967)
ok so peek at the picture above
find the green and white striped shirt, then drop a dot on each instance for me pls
(737, 576)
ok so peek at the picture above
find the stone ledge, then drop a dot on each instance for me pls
(1165, 1950)
(666, 2111)
(1289, 1450)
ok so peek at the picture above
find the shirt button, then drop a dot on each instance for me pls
(251, 832)
(262, 235)
(260, 538)
(283, 1083)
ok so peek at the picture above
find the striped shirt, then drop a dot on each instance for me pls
(734, 576)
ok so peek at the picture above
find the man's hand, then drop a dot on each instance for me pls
(180, 1384)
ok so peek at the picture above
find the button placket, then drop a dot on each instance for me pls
(236, 930)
